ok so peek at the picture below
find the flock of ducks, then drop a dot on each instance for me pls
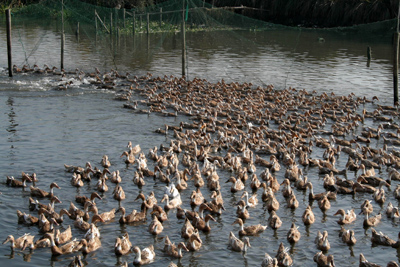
(259, 140)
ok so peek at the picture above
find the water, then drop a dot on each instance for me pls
(43, 129)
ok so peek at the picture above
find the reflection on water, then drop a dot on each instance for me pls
(284, 57)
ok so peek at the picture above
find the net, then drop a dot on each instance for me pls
(107, 29)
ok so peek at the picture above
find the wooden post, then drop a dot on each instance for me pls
(160, 16)
(369, 53)
(396, 62)
(123, 17)
(62, 35)
(183, 41)
(8, 19)
(396, 40)
(111, 23)
(148, 23)
(134, 23)
(77, 31)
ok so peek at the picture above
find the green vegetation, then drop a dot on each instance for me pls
(306, 13)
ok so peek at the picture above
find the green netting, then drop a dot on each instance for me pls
(165, 19)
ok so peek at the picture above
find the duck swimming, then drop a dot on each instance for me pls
(19, 242)
(145, 256)
(238, 245)
(37, 192)
(249, 230)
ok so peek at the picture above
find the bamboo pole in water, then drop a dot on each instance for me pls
(62, 35)
(123, 17)
(160, 16)
(133, 23)
(148, 23)
(396, 62)
(183, 41)
(396, 68)
(8, 21)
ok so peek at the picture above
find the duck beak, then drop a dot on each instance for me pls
(7, 239)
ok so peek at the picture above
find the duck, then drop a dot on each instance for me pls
(160, 213)
(187, 229)
(196, 198)
(118, 193)
(138, 179)
(250, 201)
(82, 199)
(134, 149)
(176, 251)
(308, 217)
(365, 263)
(379, 194)
(323, 260)
(77, 169)
(268, 261)
(122, 245)
(324, 204)
(11, 181)
(381, 239)
(293, 235)
(76, 262)
(250, 230)
(101, 185)
(371, 221)
(27, 218)
(292, 201)
(347, 236)
(92, 232)
(274, 221)
(63, 237)
(255, 182)
(346, 218)
(127, 218)
(74, 211)
(155, 226)
(130, 158)
(396, 192)
(192, 214)
(145, 256)
(270, 200)
(46, 225)
(238, 245)
(150, 201)
(105, 162)
(76, 180)
(242, 211)
(115, 177)
(194, 243)
(40, 243)
(322, 241)
(237, 184)
(287, 189)
(366, 207)
(171, 204)
(19, 242)
(106, 216)
(69, 247)
(87, 247)
(37, 192)
(389, 210)
(203, 225)
(283, 256)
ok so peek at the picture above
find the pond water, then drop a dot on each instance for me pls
(43, 129)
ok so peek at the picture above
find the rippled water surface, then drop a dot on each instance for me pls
(43, 129)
